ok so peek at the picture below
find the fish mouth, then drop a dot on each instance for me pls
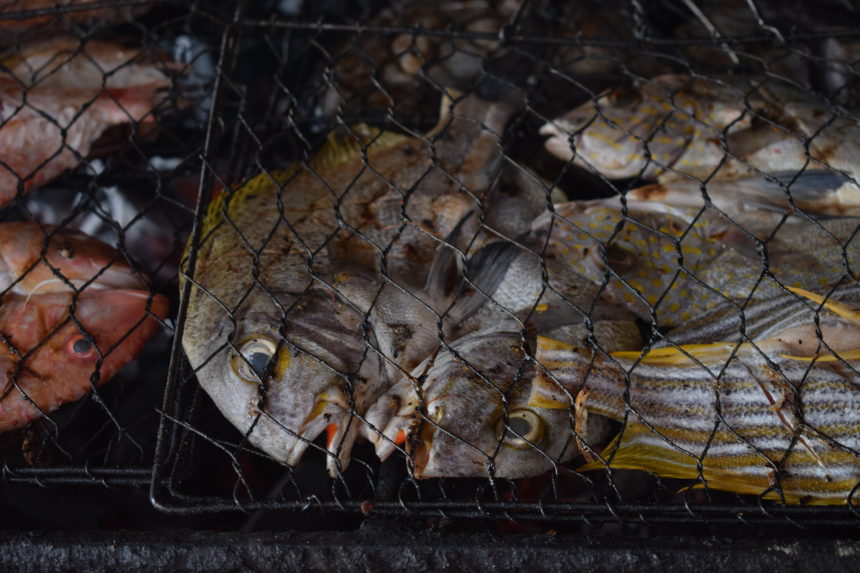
(391, 421)
(331, 414)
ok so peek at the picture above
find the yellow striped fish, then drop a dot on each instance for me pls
(744, 417)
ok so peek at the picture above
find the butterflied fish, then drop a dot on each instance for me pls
(57, 347)
(747, 418)
(674, 126)
(59, 96)
(316, 285)
(669, 265)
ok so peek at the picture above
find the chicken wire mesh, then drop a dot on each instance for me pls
(101, 127)
(429, 279)
(392, 267)
(402, 204)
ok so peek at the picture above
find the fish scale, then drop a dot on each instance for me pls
(681, 263)
(740, 420)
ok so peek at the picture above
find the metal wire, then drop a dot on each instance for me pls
(375, 263)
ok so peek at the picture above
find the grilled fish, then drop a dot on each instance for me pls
(668, 265)
(463, 413)
(740, 417)
(40, 260)
(675, 126)
(316, 286)
(59, 96)
(56, 347)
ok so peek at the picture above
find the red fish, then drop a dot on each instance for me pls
(59, 96)
(51, 354)
(44, 259)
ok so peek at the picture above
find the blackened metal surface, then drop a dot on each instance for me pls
(211, 551)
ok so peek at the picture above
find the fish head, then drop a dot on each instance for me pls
(464, 413)
(645, 129)
(284, 369)
(43, 259)
(60, 346)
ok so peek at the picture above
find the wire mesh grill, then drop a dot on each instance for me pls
(390, 271)
(415, 210)
(102, 127)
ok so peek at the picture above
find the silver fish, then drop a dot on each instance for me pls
(463, 413)
(675, 126)
(316, 286)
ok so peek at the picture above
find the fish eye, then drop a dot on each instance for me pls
(624, 97)
(252, 362)
(80, 345)
(524, 429)
(620, 259)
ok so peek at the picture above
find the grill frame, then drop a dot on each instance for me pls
(175, 434)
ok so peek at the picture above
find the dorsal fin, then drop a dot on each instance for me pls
(341, 147)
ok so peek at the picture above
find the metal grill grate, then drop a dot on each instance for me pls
(114, 158)
(388, 67)
(377, 240)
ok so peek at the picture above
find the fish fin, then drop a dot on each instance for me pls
(685, 354)
(837, 308)
(215, 210)
(339, 441)
(446, 270)
(486, 270)
(341, 147)
(811, 190)
(446, 104)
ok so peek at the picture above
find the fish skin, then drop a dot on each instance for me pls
(692, 124)
(59, 84)
(774, 411)
(537, 292)
(39, 368)
(31, 253)
(466, 391)
(329, 265)
(637, 255)
(796, 321)
(608, 132)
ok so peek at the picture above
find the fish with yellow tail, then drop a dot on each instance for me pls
(317, 286)
(752, 418)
